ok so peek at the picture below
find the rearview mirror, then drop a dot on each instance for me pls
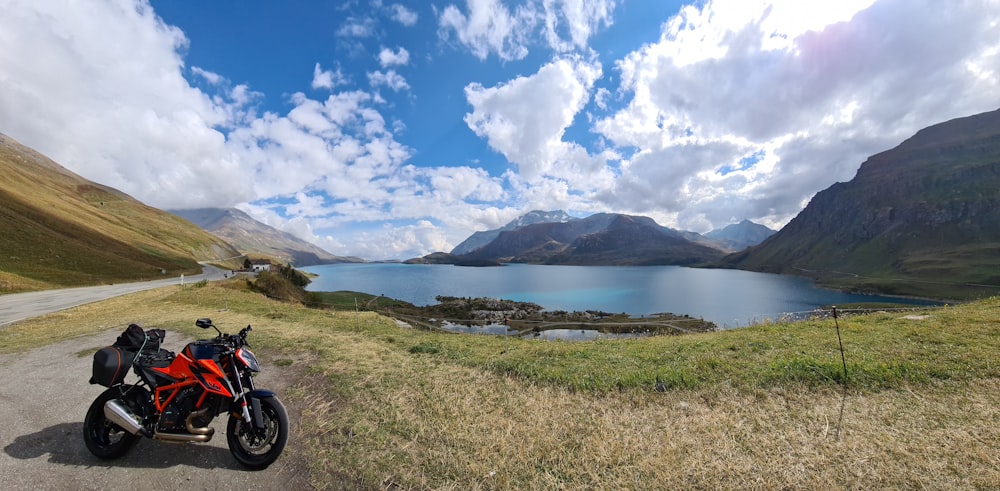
(204, 323)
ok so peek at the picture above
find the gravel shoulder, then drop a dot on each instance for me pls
(44, 395)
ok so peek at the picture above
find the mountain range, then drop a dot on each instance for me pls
(739, 236)
(253, 237)
(480, 239)
(554, 237)
(920, 219)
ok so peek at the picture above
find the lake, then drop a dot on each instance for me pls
(729, 298)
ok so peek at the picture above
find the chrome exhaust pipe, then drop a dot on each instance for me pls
(121, 416)
(194, 434)
(195, 430)
(183, 437)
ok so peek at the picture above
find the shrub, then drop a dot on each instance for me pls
(277, 286)
(295, 276)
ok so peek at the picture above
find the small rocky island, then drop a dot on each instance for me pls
(526, 318)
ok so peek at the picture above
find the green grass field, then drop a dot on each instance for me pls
(761, 407)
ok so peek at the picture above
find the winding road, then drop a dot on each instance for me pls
(19, 306)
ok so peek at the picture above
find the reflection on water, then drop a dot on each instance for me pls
(494, 329)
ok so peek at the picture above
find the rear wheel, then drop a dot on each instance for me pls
(105, 439)
(257, 448)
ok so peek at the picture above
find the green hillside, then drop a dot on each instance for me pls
(62, 230)
(920, 219)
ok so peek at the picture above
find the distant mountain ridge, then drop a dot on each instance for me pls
(739, 236)
(600, 239)
(920, 219)
(251, 236)
(480, 239)
(60, 229)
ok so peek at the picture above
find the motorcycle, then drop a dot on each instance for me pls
(177, 396)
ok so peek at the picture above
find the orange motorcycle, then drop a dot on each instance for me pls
(177, 396)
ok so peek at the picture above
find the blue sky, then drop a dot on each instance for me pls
(386, 129)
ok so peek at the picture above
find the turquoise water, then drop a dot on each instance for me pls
(729, 298)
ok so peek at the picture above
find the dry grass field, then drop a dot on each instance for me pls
(385, 407)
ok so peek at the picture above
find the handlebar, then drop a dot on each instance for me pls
(235, 340)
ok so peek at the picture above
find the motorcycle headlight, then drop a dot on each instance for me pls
(247, 359)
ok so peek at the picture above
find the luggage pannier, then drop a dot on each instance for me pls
(111, 364)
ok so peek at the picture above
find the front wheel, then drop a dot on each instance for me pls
(257, 448)
(105, 439)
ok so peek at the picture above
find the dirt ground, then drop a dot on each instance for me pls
(44, 395)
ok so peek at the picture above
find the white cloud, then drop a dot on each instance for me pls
(602, 97)
(241, 95)
(525, 118)
(458, 184)
(327, 79)
(307, 206)
(210, 77)
(397, 242)
(578, 18)
(403, 15)
(489, 28)
(389, 79)
(320, 144)
(357, 27)
(388, 57)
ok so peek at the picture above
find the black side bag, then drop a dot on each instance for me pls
(134, 339)
(111, 364)
(131, 339)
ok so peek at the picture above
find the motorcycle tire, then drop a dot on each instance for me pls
(257, 449)
(105, 439)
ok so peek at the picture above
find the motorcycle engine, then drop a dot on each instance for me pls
(175, 415)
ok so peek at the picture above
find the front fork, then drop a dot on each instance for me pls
(256, 419)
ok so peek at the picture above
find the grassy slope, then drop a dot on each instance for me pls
(62, 230)
(756, 407)
(919, 219)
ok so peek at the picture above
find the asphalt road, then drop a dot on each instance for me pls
(19, 306)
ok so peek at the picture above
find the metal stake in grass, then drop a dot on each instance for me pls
(843, 382)
(357, 314)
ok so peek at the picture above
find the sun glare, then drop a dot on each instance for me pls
(696, 35)
(784, 20)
